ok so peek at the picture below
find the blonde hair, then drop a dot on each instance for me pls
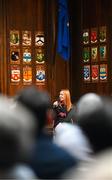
(67, 98)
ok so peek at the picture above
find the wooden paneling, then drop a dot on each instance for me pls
(2, 48)
(85, 14)
(96, 16)
(22, 15)
(32, 15)
(75, 63)
(58, 69)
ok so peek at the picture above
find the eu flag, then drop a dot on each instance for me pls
(63, 36)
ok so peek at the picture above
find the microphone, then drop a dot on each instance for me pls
(56, 103)
(58, 99)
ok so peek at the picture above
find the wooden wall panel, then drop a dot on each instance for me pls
(96, 16)
(3, 87)
(32, 15)
(58, 69)
(86, 15)
(23, 15)
(75, 62)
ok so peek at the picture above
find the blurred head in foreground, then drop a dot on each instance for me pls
(72, 139)
(38, 103)
(99, 169)
(95, 118)
(17, 129)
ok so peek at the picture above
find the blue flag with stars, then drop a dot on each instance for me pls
(63, 36)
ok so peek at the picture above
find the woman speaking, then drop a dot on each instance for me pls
(64, 110)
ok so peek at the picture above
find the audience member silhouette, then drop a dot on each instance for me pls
(95, 118)
(77, 143)
(17, 127)
(48, 160)
(99, 169)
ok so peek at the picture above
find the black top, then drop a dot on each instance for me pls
(63, 116)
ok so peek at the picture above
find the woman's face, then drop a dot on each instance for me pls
(62, 96)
